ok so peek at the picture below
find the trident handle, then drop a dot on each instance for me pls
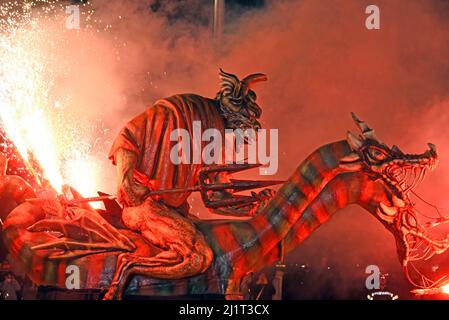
(203, 187)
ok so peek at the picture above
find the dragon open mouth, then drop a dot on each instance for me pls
(408, 171)
(400, 173)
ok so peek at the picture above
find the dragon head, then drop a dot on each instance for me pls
(399, 173)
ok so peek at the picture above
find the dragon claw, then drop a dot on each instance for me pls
(86, 234)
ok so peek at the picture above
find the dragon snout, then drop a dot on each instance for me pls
(428, 159)
(432, 155)
(432, 150)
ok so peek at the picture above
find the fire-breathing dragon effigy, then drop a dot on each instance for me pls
(46, 236)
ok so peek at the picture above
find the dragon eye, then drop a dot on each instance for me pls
(377, 154)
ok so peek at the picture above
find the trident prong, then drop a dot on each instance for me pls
(235, 185)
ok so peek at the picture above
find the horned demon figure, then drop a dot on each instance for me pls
(142, 155)
(181, 256)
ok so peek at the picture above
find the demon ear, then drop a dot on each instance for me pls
(354, 142)
(367, 132)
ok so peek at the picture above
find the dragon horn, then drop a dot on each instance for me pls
(367, 132)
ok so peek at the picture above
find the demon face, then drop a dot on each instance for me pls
(238, 102)
(400, 173)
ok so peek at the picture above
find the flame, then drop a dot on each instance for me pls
(24, 93)
(77, 169)
(445, 289)
(32, 114)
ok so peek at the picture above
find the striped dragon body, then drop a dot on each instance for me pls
(318, 188)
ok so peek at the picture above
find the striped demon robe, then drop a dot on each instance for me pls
(148, 135)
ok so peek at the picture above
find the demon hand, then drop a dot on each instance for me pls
(252, 208)
(264, 197)
(130, 193)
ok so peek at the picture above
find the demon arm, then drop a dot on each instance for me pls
(252, 209)
(130, 193)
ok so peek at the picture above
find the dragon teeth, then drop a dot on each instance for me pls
(391, 211)
(398, 202)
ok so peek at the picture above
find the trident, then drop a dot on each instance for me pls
(203, 187)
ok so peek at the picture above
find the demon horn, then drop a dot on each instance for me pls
(367, 132)
(230, 84)
(248, 81)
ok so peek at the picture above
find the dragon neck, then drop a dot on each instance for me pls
(318, 188)
(304, 199)
(345, 189)
(309, 199)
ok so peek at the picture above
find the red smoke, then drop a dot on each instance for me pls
(322, 63)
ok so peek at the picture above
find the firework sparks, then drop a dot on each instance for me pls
(431, 291)
(445, 289)
(24, 96)
(34, 117)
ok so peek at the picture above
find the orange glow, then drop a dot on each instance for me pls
(445, 289)
(24, 90)
(34, 115)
